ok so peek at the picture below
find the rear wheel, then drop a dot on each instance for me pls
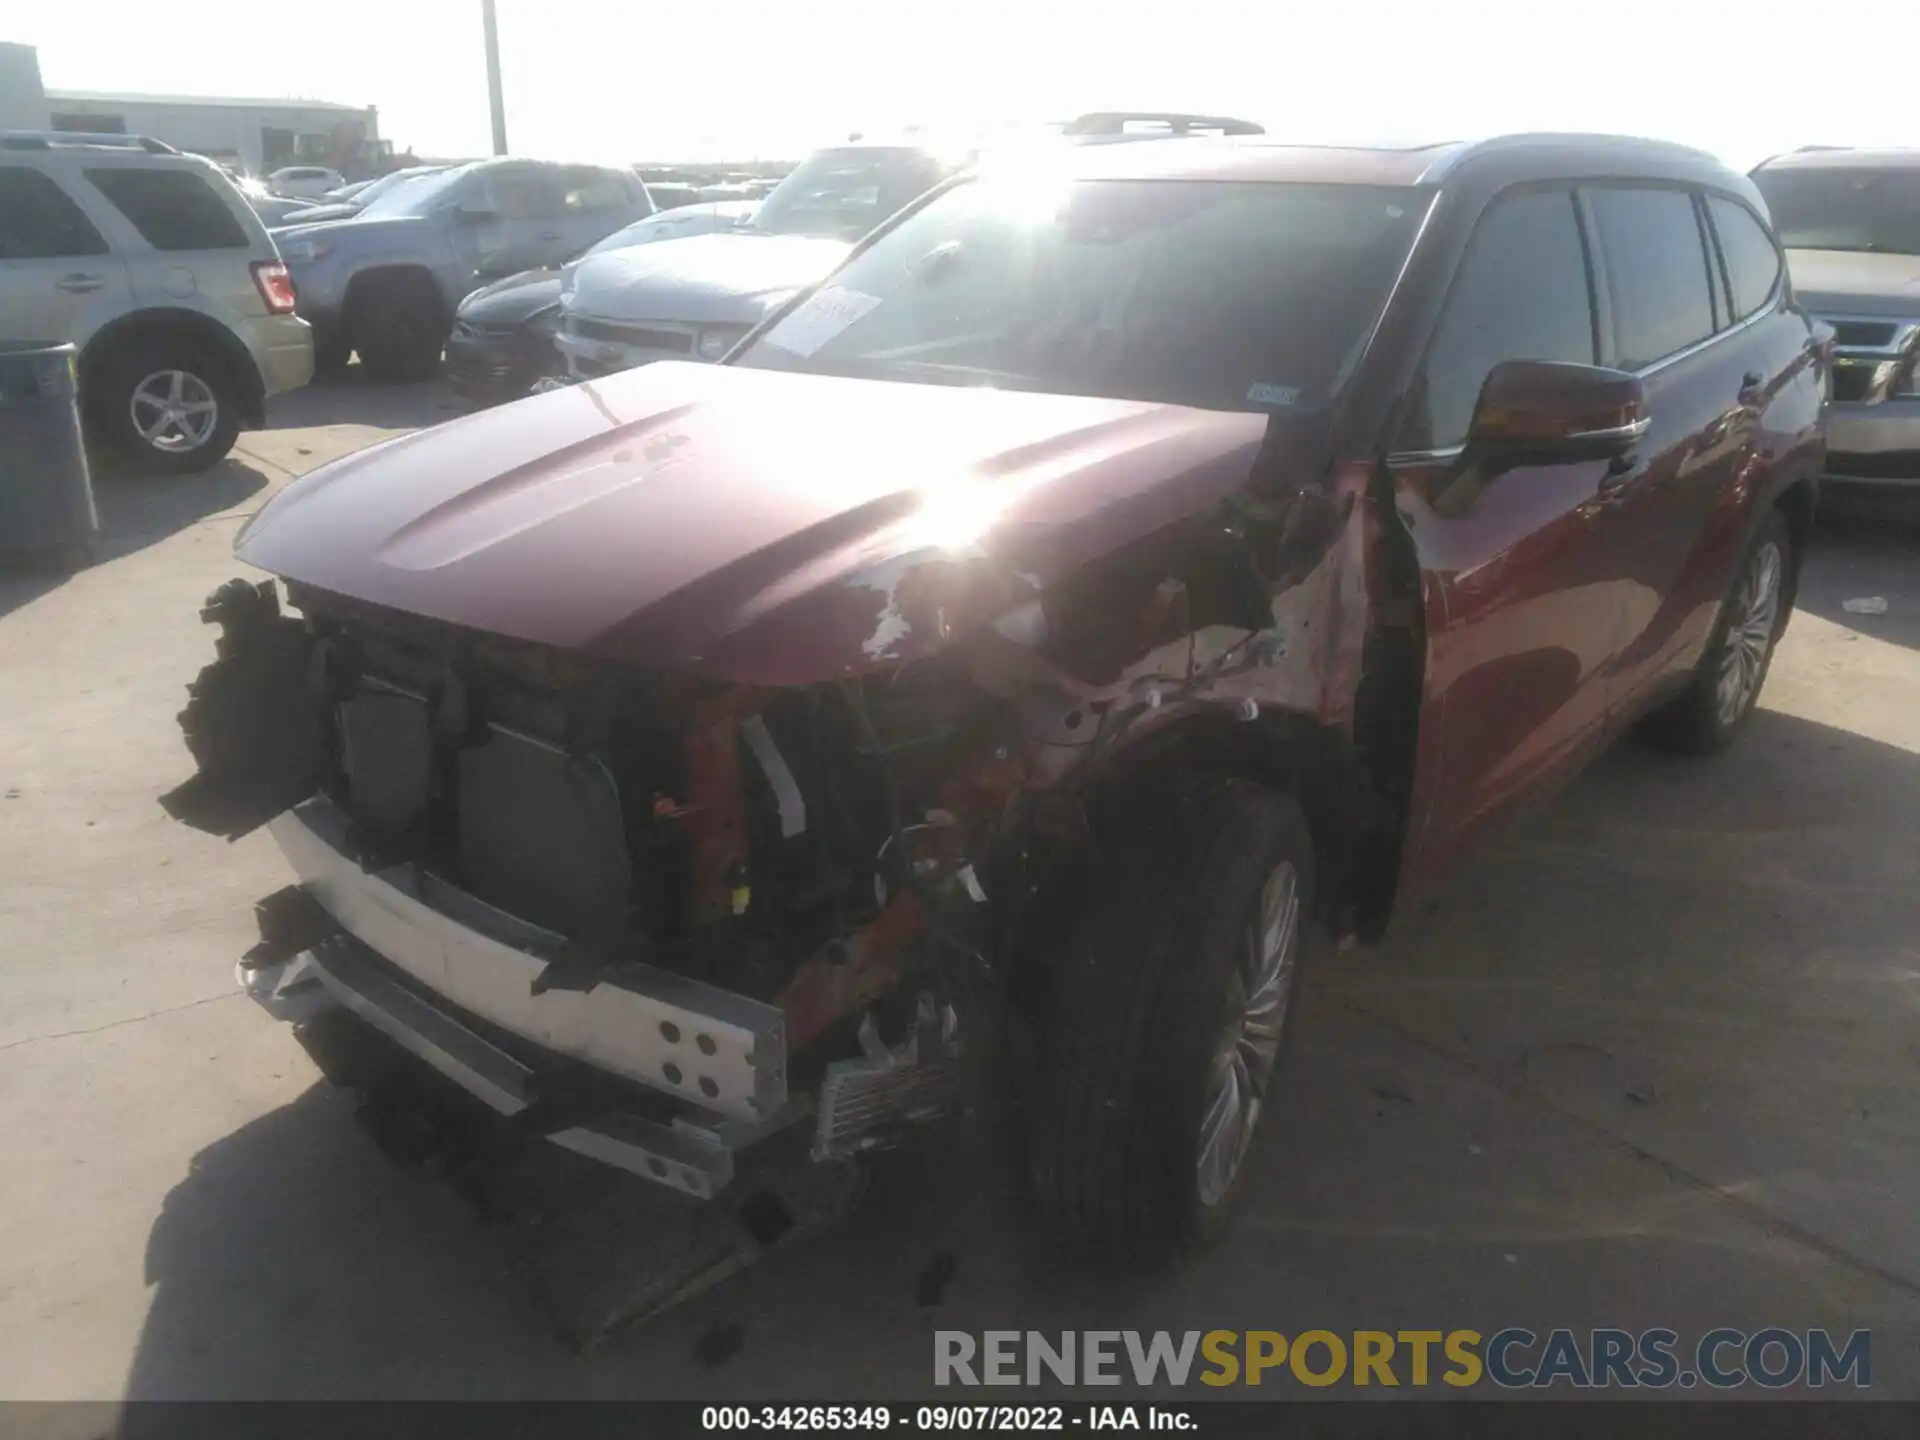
(398, 326)
(166, 406)
(1726, 687)
(1173, 1012)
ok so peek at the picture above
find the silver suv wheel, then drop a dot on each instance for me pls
(174, 411)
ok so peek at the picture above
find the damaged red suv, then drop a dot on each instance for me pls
(1120, 569)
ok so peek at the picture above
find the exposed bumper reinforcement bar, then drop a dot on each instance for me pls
(717, 1050)
(339, 973)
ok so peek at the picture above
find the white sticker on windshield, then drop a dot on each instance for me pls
(1261, 393)
(820, 317)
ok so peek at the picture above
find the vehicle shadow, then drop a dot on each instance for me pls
(136, 511)
(1864, 550)
(383, 405)
(1542, 1101)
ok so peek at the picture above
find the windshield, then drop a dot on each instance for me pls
(419, 194)
(842, 194)
(1218, 295)
(1845, 208)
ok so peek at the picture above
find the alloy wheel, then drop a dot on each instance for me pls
(1244, 1059)
(174, 411)
(1752, 616)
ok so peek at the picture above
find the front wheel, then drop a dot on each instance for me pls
(1174, 998)
(1726, 686)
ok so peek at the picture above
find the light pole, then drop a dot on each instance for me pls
(495, 100)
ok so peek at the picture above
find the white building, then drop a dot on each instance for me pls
(256, 136)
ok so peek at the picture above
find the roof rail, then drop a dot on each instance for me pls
(1116, 122)
(47, 139)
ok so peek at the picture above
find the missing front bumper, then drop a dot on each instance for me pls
(339, 973)
(716, 1050)
(411, 956)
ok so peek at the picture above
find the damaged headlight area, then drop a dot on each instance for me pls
(738, 910)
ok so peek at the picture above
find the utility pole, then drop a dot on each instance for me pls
(494, 98)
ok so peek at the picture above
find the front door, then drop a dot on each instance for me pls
(1523, 569)
(59, 280)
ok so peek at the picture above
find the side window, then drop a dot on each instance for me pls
(39, 221)
(591, 191)
(172, 209)
(1658, 277)
(1521, 293)
(1753, 264)
(523, 192)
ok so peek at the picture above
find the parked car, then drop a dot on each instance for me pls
(671, 195)
(695, 297)
(502, 344)
(386, 281)
(350, 200)
(1851, 222)
(275, 210)
(153, 264)
(1045, 618)
(304, 182)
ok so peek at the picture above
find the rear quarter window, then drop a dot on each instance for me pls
(1753, 264)
(1657, 273)
(172, 209)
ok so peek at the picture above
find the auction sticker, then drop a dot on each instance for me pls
(820, 317)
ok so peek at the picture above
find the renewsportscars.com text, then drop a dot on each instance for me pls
(1513, 1358)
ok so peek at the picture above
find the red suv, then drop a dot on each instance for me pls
(1117, 564)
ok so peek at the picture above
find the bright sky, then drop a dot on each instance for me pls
(697, 79)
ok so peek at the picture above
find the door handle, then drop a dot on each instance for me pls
(78, 284)
(549, 235)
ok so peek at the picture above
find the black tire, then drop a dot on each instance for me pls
(1149, 989)
(1697, 722)
(398, 326)
(331, 352)
(144, 367)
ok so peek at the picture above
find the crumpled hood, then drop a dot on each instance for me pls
(512, 300)
(766, 527)
(1846, 282)
(724, 278)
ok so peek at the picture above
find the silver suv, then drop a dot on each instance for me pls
(1850, 220)
(386, 281)
(155, 266)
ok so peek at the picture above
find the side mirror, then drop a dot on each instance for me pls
(1541, 411)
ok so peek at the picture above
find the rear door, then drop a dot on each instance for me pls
(1522, 570)
(59, 279)
(183, 242)
(1710, 364)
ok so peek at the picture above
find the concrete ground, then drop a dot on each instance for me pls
(1653, 1061)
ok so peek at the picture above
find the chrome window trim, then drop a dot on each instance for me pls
(1688, 352)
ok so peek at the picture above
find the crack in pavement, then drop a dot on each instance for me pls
(1758, 1214)
(125, 1020)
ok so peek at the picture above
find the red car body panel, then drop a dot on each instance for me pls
(767, 528)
